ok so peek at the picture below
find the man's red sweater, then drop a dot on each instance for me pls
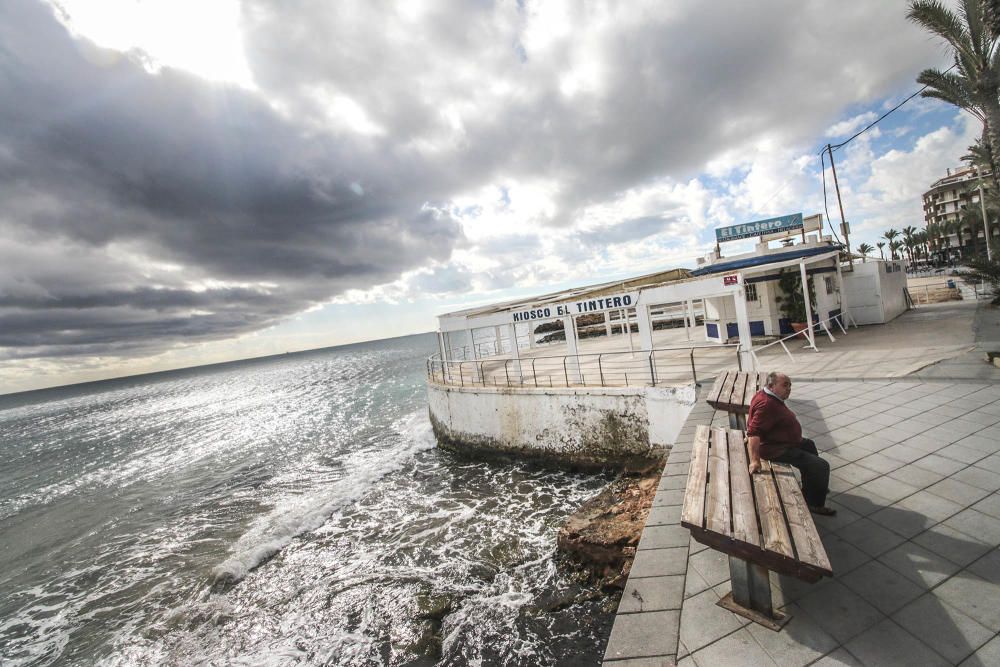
(776, 426)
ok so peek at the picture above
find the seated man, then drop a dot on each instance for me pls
(775, 434)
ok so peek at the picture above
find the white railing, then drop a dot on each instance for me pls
(606, 369)
(810, 337)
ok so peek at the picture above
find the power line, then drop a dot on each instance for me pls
(880, 118)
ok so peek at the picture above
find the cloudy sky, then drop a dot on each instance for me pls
(189, 182)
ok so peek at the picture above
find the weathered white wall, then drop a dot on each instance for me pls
(589, 427)
(874, 295)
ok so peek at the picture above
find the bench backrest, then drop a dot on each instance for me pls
(733, 390)
(763, 519)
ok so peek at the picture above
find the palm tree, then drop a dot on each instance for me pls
(974, 87)
(972, 219)
(894, 247)
(864, 249)
(881, 245)
(908, 241)
(890, 236)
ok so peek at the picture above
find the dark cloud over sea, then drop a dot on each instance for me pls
(143, 209)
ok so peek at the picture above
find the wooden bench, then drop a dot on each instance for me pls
(732, 393)
(762, 523)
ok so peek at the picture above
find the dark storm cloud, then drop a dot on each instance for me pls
(97, 155)
(141, 210)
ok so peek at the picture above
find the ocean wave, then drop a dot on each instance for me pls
(300, 514)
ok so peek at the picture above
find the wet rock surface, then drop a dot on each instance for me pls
(601, 537)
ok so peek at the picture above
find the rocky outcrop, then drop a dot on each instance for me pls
(601, 537)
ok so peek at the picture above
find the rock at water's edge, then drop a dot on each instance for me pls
(602, 535)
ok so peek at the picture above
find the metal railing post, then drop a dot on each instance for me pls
(565, 372)
(533, 374)
(694, 373)
(600, 370)
(652, 373)
(506, 371)
(482, 373)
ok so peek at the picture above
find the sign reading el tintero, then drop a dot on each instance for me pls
(759, 227)
(594, 305)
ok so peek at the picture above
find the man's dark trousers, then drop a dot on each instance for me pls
(815, 471)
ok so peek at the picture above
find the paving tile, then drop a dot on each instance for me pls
(845, 434)
(982, 527)
(660, 516)
(918, 440)
(873, 442)
(881, 463)
(903, 411)
(652, 594)
(712, 565)
(839, 611)
(979, 477)
(694, 583)
(986, 656)
(786, 590)
(704, 622)
(659, 562)
(666, 498)
(930, 505)
(954, 545)
(921, 566)
(659, 537)
(672, 482)
(848, 452)
(829, 524)
(916, 476)
(660, 661)
(903, 522)
(904, 452)
(989, 505)
(739, 649)
(948, 631)
(959, 492)
(652, 633)
(885, 589)
(861, 503)
(991, 463)
(888, 488)
(855, 474)
(979, 442)
(838, 658)
(695, 547)
(949, 410)
(940, 464)
(974, 597)
(885, 419)
(872, 538)
(889, 645)
(961, 453)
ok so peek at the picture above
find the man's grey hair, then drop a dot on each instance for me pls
(772, 379)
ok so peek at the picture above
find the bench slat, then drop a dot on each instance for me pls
(693, 511)
(713, 395)
(717, 504)
(772, 519)
(808, 547)
(726, 397)
(745, 527)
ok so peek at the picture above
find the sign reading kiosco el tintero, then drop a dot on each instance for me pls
(577, 307)
(759, 227)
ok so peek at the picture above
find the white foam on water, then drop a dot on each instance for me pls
(298, 514)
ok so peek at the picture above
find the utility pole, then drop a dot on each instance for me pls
(843, 220)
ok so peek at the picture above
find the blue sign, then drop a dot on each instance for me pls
(759, 228)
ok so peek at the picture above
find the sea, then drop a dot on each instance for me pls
(291, 510)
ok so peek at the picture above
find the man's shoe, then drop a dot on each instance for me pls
(823, 511)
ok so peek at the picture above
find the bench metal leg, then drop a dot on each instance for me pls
(751, 594)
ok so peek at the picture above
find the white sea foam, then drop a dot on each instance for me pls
(298, 514)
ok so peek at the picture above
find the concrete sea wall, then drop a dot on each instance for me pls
(595, 427)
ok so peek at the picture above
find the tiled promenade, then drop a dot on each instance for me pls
(914, 547)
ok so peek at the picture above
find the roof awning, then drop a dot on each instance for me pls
(764, 260)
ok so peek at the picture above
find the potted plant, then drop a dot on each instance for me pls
(790, 301)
